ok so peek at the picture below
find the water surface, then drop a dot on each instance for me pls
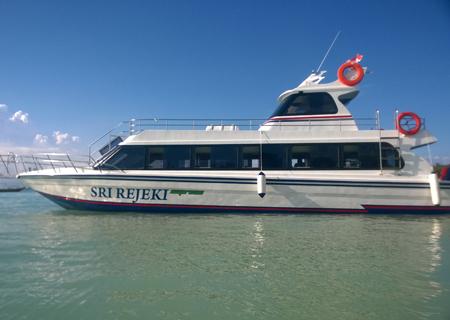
(59, 264)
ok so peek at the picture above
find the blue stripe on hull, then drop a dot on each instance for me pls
(76, 204)
(305, 182)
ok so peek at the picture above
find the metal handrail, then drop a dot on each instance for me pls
(53, 161)
(107, 134)
(8, 164)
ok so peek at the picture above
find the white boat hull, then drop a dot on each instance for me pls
(10, 184)
(214, 193)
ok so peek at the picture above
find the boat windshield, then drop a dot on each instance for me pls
(311, 103)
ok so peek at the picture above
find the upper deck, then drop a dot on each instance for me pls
(312, 112)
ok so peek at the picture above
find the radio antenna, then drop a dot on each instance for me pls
(328, 51)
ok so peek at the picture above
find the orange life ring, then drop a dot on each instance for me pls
(408, 123)
(357, 69)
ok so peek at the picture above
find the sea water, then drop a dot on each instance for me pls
(60, 264)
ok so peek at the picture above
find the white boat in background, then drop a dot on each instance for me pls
(310, 156)
(8, 172)
(10, 184)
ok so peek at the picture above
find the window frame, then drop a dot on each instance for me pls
(104, 162)
(287, 149)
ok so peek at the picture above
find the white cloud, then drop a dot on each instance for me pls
(3, 107)
(64, 137)
(19, 116)
(61, 138)
(40, 139)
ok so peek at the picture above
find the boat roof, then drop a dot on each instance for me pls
(180, 137)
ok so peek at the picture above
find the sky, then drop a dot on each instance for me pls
(71, 70)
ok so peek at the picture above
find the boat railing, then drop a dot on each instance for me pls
(138, 125)
(34, 162)
(108, 141)
(9, 165)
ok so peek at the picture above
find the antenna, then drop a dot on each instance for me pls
(328, 51)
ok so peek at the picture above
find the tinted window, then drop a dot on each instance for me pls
(307, 104)
(300, 157)
(249, 157)
(390, 157)
(274, 156)
(127, 158)
(110, 146)
(347, 97)
(178, 157)
(320, 156)
(202, 157)
(360, 156)
(224, 157)
(324, 156)
(156, 158)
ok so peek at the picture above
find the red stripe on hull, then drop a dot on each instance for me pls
(413, 208)
(309, 117)
(227, 208)
(386, 209)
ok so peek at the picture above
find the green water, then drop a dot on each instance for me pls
(58, 264)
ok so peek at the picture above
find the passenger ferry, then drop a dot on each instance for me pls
(309, 156)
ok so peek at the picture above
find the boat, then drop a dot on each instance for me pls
(10, 184)
(310, 156)
(8, 171)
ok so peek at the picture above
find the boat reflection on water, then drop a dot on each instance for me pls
(434, 245)
(435, 250)
(257, 245)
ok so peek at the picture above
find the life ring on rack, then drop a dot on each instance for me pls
(408, 123)
(350, 73)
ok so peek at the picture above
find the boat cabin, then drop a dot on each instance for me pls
(279, 156)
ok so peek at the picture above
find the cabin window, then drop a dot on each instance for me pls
(274, 156)
(390, 157)
(360, 156)
(324, 156)
(300, 157)
(319, 156)
(366, 156)
(156, 158)
(313, 103)
(202, 157)
(127, 158)
(250, 156)
(178, 157)
(224, 157)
